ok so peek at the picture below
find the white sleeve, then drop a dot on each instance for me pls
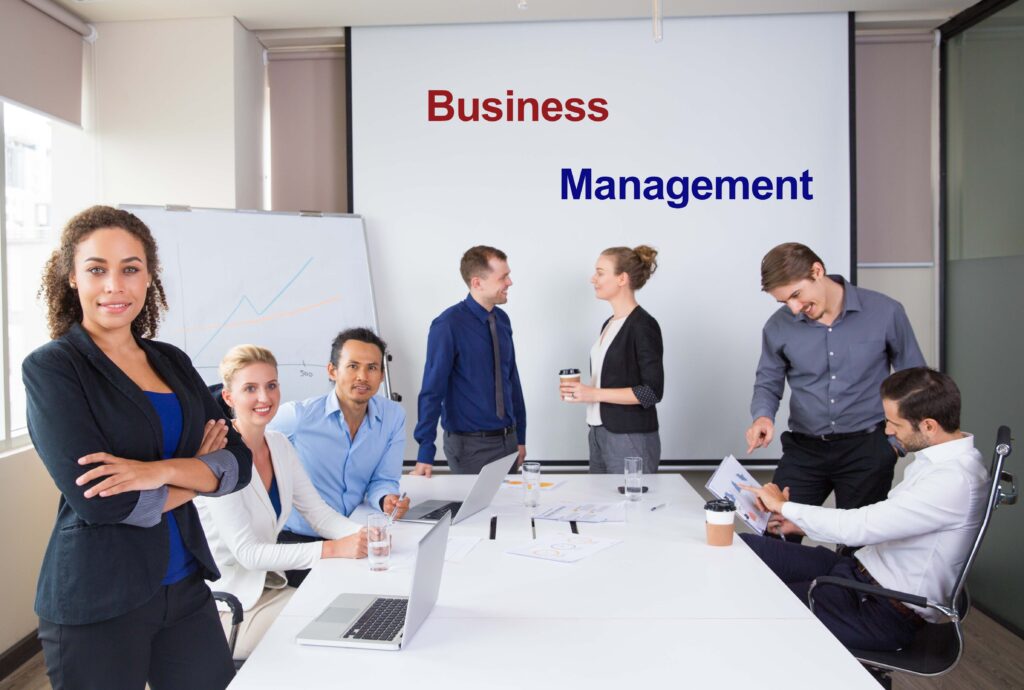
(234, 526)
(326, 521)
(935, 502)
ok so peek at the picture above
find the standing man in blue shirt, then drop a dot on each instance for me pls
(834, 343)
(470, 378)
(350, 440)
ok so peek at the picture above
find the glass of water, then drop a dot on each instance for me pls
(634, 478)
(378, 541)
(531, 484)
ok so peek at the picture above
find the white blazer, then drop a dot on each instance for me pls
(242, 527)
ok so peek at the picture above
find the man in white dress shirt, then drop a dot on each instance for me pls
(916, 540)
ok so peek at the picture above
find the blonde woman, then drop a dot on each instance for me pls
(243, 531)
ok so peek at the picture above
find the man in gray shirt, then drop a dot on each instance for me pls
(835, 343)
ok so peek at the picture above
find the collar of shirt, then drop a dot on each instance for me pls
(373, 415)
(851, 301)
(476, 309)
(950, 450)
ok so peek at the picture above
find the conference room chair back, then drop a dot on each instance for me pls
(237, 615)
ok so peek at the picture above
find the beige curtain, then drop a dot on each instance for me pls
(40, 61)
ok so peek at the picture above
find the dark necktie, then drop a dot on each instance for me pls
(499, 393)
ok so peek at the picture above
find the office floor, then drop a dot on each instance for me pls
(993, 658)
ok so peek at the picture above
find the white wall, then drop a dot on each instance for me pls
(250, 83)
(27, 512)
(178, 108)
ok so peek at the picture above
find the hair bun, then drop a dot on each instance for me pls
(648, 257)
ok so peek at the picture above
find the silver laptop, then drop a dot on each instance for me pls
(372, 621)
(479, 497)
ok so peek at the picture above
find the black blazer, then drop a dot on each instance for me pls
(79, 402)
(634, 359)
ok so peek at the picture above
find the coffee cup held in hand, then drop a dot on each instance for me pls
(720, 516)
(568, 376)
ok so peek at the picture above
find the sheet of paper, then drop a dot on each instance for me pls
(563, 548)
(459, 547)
(545, 484)
(724, 483)
(584, 512)
(455, 552)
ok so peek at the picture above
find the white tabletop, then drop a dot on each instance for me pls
(663, 598)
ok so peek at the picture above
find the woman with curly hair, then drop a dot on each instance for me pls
(130, 434)
(628, 378)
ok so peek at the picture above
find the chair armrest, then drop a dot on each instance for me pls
(865, 588)
(233, 603)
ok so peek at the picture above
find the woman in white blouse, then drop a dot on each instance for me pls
(242, 530)
(627, 374)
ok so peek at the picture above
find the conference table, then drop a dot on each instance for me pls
(659, 607)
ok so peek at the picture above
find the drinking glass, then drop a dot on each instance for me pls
(378, 538)
(634, 478)
(531, 484)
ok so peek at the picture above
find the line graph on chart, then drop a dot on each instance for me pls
(246, 314)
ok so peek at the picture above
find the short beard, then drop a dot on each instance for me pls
(916, 442)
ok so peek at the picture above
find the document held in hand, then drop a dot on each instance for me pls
(724, 483)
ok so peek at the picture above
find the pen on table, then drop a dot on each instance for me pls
(494, 525)
(660, 505)
(394, 511)
(573, 527)
(533, 528)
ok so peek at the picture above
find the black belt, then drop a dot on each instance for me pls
(487, 434)
(901, 608)
(837, 437)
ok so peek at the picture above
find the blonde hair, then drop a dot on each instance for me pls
(241, 356)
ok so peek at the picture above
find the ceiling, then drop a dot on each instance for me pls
(261, 15)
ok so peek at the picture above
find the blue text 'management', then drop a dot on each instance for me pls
(677, 192)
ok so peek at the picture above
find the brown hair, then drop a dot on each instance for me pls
(639, 263)
(475, 261)
(63, 309)
(241, 356)
(787, 263)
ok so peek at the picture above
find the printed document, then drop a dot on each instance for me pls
(724, 483)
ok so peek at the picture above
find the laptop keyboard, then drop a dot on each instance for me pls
(439, 513)
(382, 621)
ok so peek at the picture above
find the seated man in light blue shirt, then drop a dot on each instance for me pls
(350, 440)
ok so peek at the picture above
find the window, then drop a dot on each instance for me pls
(29, 235)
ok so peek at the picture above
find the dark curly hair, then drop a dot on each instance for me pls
(63, 309)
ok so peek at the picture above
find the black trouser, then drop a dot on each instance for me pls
(295, 577)
(173, 641)
(861, 622)
(858, 469)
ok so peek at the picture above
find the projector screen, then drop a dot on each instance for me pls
(554, 141)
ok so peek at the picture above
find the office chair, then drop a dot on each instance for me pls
(937, 648)
(237, 614)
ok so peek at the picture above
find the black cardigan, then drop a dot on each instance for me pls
(79, 402)
(634, 358)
